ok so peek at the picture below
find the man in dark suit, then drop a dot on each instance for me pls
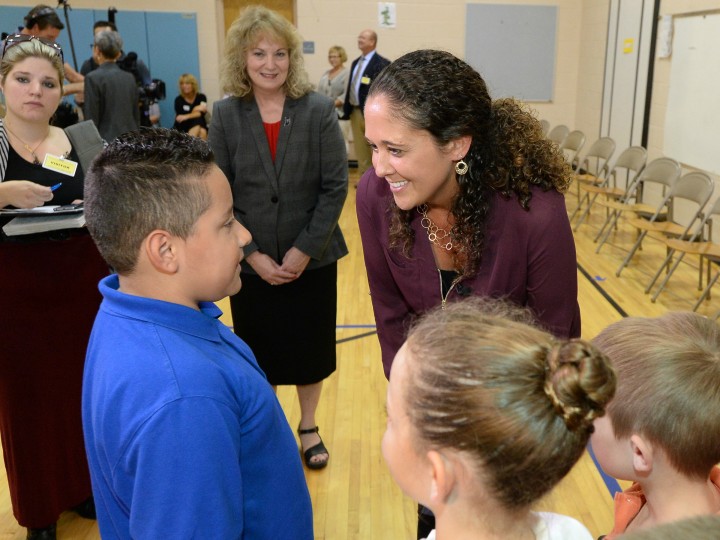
(363, 72)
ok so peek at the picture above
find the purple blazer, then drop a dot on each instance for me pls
(529, 259)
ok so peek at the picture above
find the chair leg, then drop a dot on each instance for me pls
(706, 292)
(629, 256)
(586, 213)
(667, 277)
(607, 227)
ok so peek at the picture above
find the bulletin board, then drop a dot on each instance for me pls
(692, 118)
(513, 48)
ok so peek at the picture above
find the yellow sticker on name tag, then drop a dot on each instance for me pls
(60, 164)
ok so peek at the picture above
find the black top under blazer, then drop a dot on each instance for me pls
(376, 64)
(297, 200)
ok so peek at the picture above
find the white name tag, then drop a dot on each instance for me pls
(60, 164)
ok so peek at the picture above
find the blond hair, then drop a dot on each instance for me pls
(668, 385)
(340, 52)
(254, 24)
(33, 48)
(188, 78)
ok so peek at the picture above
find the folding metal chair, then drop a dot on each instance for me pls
(545, 125)
(696, 187)
(558, 134)
(662, 171)
(593, 168)
(629, 163)
(700, 244)
(571, 146)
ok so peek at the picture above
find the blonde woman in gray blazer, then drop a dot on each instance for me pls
(280, 146)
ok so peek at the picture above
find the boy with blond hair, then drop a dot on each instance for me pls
(185, 438)
(662, 430)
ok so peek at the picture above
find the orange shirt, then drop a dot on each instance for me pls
(629, 502)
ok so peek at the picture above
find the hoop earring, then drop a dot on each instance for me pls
(461, 168)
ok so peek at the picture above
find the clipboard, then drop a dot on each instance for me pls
(49, 210)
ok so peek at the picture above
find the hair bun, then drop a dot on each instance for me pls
(579, 381)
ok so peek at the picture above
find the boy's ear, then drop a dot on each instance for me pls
(161, 249)
(642, 455)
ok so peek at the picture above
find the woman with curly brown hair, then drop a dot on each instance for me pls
(465, 199)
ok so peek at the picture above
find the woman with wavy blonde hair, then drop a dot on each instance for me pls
(280, 145)
(486, 414)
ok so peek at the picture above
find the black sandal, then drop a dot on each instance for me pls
(313, 451)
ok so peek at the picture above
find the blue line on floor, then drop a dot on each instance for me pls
(610, 483)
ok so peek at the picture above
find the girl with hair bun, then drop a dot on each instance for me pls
(486, 414)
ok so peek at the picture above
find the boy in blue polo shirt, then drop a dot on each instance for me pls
(185, 437)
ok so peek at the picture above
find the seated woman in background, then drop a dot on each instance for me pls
(486, 414)
(190, 108)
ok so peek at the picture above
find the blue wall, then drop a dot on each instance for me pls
(166, 41)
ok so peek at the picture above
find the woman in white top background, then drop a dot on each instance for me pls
(486, 414)
(334, 80)
(333, 84)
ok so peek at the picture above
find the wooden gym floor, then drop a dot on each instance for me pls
(354, 497)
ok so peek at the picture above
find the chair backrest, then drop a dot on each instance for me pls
(572, 144)
(632, 161)
(558, 134)
(662, 171)
(597, 159)
(633, 158)
(713, 212)
(545, 125)
(696, 187)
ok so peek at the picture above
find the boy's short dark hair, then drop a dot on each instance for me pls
(668, 386)
(143, 181)
(43, 16)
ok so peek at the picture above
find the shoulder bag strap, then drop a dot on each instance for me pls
(4, 149)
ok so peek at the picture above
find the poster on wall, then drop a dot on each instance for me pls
(387, 15)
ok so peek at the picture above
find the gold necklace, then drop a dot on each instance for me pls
(435, 234)
(36, 161)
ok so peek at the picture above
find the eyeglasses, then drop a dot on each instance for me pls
(16, 39)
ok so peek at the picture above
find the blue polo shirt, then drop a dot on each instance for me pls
(185, 438)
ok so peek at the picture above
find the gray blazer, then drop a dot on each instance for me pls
(297, 200)
(111, 100)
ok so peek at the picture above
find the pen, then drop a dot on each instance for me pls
(53, 188)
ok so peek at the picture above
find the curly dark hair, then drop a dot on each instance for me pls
(436, 92)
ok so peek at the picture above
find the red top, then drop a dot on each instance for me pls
(272, 131)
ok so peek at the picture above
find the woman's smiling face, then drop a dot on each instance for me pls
(416, 168)
(268, 63)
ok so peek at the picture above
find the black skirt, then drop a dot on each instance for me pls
(290, 328)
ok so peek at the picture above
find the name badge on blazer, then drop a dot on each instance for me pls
(365, 80)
